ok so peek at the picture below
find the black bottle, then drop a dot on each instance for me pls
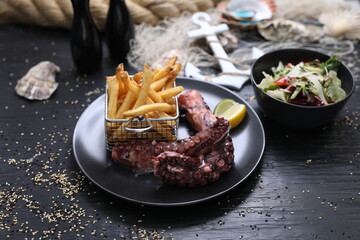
(119, 30)
(85, 40)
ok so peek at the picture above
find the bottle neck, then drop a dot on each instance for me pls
(80, 6)
(116, 3)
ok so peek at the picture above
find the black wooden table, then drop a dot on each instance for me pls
(306, 186)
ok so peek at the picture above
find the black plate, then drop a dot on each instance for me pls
(92, 157)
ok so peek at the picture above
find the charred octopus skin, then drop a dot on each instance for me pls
(193, 161)
(182, 170)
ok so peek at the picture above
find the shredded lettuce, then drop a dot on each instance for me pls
(311, 83)
(267, 83)
(314, 69)
(318, 89)
(280, 70)
(278, 94)
(333, 90)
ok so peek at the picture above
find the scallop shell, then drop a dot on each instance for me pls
(258, 10)
(283, 30)
(246, 13)
(39, 82)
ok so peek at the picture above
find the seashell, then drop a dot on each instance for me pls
(228, 41)
(246, 13)
(39, 82)
(283, 30)
(342, 23)
(258, 10)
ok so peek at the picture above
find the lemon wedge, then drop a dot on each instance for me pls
(231, 110)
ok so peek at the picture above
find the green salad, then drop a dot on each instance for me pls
(307, 83)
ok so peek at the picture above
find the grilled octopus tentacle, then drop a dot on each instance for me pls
(193, 161)
(139, 153)
(182, 170)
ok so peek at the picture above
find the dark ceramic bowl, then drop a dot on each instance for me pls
(289, 114)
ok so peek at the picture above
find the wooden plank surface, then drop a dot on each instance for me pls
(306, 186)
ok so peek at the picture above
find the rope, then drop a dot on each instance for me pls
(233, 62)
(58, 13)
(232, 74)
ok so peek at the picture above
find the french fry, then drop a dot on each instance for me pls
(137, 77)
(173, 75)
(162, 115)
(124, 76)
(155, 96)
(168, 93)
(170, 100)
(171, 61)
(134, 89)
(145, 85)
(133, 92)
(113, 93)
(121, 100)
(149, 93)
(162, 127)
(170, 116)
(158, 85)
(162, 73)
(156, 70)
(164, 107)
(149, 101)
(126, 105)
(119, 69)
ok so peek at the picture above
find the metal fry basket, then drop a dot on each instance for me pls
(140, 128)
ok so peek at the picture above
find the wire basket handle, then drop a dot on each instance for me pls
(138, 130)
